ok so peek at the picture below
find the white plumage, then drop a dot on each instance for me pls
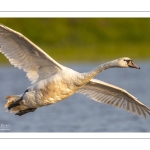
(52, 82)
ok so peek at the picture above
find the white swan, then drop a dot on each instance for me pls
(54, 82)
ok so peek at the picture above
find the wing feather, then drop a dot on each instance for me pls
(115, 96)
(24, 54)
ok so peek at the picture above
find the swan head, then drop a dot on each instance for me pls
(126, 62)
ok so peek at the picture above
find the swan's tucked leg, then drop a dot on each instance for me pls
(22, 112)
(14, 100)
(15, 104)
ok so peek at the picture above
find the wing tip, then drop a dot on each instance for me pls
(2, 25)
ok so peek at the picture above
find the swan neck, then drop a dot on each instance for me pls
(103, 67)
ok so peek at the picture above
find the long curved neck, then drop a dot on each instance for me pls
(100, 68)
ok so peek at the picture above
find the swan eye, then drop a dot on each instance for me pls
(128, 61)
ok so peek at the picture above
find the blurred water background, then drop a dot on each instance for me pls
(78, 113)
(82, 44)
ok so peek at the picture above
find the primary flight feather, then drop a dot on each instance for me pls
(53, 82)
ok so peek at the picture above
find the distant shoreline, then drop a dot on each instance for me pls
(86, 39)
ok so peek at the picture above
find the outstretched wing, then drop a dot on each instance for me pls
(115, 96)
(24, 54)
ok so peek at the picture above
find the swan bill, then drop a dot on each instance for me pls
(132, 65)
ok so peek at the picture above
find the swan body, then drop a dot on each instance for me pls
(53, 82)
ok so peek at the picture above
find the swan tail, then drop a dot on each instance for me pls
(11, 99)
(15, 103)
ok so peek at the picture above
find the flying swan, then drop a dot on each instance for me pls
(53, 82)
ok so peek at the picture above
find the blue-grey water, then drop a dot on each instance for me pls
(78, 113)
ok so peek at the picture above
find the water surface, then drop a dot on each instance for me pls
(78, 113)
